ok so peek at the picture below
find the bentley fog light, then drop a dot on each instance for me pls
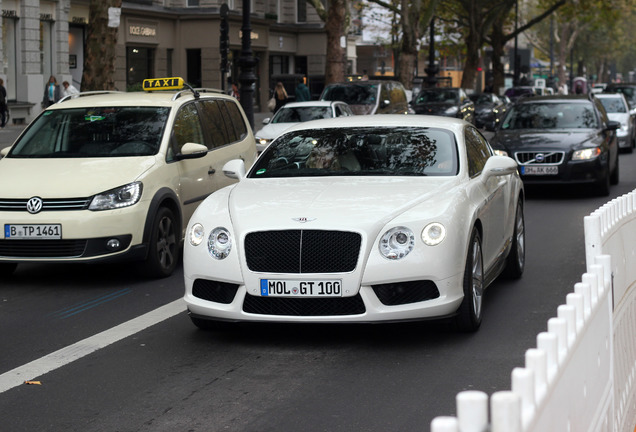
(220, 243)
(586, 154)
(433, 234)
(397, 243)
(123, 196)
(196, 234)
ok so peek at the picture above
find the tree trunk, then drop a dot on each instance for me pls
(100, 54)
(335, 28)
(498, 43)
(410, 36)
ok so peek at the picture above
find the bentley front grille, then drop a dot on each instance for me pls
(302, 251)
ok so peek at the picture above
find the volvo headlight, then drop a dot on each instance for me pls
(220, 243)
(433, 234)
(196, 234)
(123, 196)
(397, 243)
(586, 154)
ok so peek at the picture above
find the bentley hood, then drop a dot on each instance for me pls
(325, 203)
(69, 177)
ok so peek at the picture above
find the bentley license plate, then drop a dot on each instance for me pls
(301, 288)
(539, 170)
(33, 231)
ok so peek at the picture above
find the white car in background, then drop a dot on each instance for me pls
(297, 112)
(359, 219)
(618, 110)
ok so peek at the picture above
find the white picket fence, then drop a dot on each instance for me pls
(581, 375)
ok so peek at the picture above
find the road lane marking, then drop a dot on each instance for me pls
(74, 310)
(64, 356)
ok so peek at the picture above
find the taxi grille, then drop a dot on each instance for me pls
(542, 158)
(57, 204)
(302, 251)
(304, 306)
(42, 248)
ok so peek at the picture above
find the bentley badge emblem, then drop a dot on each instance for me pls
(303, 219)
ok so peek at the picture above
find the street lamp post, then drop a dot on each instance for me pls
(247, 63)
(432, 69)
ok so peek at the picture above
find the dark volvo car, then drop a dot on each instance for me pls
(561, 139)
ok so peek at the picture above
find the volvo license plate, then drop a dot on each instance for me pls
(33, 231)
(301, 288)
(539, 170)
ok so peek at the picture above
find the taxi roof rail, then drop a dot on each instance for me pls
(88, 93)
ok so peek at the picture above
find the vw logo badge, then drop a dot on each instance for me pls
(34, 205)
(540, 157)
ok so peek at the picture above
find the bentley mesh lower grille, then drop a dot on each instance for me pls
(42, 248)
(302, 251)
(219, 292)
(304, 306)
(394, 294)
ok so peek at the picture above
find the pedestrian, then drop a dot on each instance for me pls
(280, 96)
(52, 92)
(302, 92)
(69, 89)
(235, 91)
(4, 109)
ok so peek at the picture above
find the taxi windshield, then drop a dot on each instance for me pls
(360, 151)
(93, 132)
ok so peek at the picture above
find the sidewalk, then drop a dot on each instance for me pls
(10, 132)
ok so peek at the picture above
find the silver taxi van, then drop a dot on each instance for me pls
(108, 176)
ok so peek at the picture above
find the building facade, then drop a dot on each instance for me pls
(157, 38)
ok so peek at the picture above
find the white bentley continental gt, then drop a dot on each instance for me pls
(358, 219)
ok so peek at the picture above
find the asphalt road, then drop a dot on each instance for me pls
(172, 377)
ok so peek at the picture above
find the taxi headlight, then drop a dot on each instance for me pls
(197, 232)
(220, 243)
(433, 234)
(586, 154)
(123, 196)
(397, 243)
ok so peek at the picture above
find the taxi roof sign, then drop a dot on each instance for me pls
(173, 83)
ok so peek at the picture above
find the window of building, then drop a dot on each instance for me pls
(46, 48)
(139, 65)
(8, 67)
(193, 64)
(278, 64)
(193, 3)
(301, 11)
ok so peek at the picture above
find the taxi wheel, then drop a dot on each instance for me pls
(7, 269)
(469, 314)
(163, 249)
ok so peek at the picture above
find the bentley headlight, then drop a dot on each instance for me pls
(220, 243)
(122, 196)
(196, 234)
(397, 243)
(586, 154)
(433, 234)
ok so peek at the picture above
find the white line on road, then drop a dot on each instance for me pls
(64, 356)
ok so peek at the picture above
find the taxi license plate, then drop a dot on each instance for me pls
(301, 288)
(33, 231)
(539, 170)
